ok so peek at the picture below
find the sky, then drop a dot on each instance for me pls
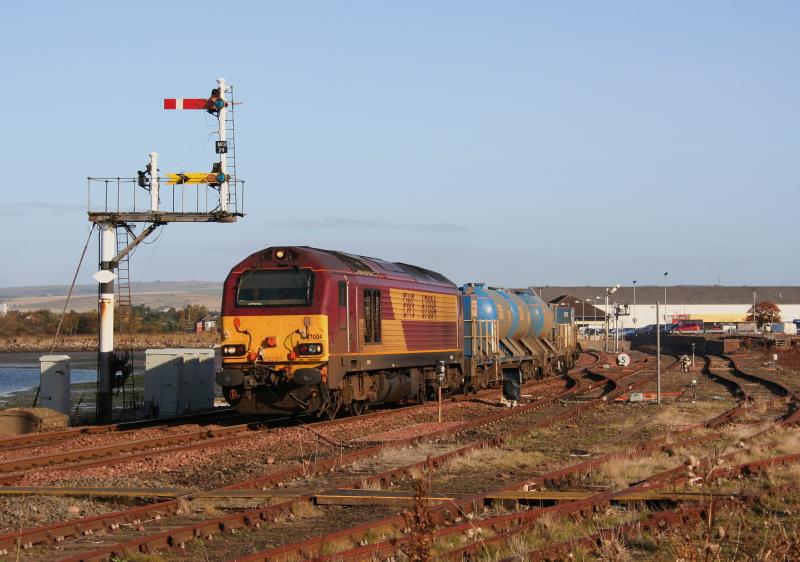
(513, 143)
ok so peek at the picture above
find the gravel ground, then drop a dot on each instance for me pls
(90, 441)
(22, 512)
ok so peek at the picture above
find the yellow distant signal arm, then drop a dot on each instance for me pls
(196, 177)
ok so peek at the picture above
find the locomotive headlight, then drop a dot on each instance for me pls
(309, 349)
(280, 254)
(233, 350)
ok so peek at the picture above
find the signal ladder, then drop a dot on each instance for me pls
(125, 318)
(230, 136)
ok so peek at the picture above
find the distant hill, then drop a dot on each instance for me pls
(157, 294)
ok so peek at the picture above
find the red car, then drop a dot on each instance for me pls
(688, 327)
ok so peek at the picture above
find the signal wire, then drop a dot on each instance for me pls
(66, 303)
(71, 287)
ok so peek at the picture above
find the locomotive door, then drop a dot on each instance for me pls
(348, 313)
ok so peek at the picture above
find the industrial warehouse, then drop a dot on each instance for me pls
(710, 303)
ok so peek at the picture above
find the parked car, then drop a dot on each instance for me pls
(687, 327)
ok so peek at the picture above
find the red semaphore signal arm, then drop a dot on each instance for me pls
(185, 103)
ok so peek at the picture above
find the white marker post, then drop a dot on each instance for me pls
(154, 182)
(222, 115)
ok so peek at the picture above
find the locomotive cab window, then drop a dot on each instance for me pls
(275, 287)
(372, 316)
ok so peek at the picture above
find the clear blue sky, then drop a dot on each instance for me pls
(517, 143)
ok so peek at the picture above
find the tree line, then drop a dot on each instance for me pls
(145, 321)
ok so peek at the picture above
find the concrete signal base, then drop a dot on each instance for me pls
(18, 421)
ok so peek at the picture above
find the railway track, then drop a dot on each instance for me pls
(669, 516)
(87, 525)
(756, 393)
(313, 548)
(230, 525)
(49, 438)
(504, 527)
(13, 469)
(254, 518)
(673, 477)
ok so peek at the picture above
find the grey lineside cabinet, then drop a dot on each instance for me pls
(178, 381)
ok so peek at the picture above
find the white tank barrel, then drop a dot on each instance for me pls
(54, 383)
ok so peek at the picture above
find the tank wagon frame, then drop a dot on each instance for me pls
(306, 330)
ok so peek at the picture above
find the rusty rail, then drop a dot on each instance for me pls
(673, 475)
(312, 547)
(178, 537)
(48, 437)
(59, 531)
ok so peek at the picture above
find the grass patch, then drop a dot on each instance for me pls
(301, 509)
(497, 458)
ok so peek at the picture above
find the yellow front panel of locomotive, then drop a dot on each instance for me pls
(288, 331)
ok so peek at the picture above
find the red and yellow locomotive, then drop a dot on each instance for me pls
(317, 331)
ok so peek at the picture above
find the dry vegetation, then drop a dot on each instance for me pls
(497, 458)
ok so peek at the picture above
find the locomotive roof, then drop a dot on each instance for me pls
(364, 265)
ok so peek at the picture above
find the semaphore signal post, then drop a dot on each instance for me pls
(117, 205)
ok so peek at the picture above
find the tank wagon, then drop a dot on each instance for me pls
(306, 330)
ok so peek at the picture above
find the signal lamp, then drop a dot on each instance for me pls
(216, 179)
(270, 341)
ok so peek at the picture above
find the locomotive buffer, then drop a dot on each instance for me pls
(214, 196)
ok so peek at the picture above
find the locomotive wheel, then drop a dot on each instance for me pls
(358, 407)
(331, 407)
